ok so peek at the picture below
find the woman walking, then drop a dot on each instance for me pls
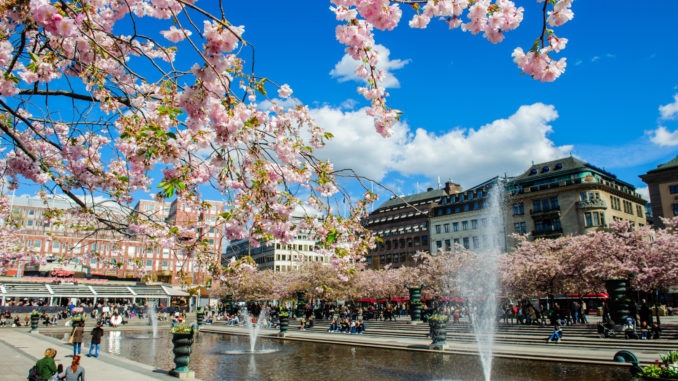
(77, 334)
(74, 372)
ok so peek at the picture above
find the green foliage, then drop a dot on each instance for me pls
(439, 317)
(181, 328)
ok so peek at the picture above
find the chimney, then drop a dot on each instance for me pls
(429, 189)
(451, 188)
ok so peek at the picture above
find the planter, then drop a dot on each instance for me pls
(200, 317)
(619, 303)
(284, 323)
(182, 351)
(35, 319)
(301, 305)
(415, 302)
(438, 332)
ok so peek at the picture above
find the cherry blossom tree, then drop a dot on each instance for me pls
(92, 107)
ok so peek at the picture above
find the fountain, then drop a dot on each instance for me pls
(481, 291)
(153, 316)
(253, 329)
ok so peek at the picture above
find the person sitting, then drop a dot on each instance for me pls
(303, 324)
(333, 326)
(46, 367)
(656, 331)
(352, 327)
(556, 335)
(644, 332)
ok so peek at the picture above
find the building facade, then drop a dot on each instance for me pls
(467, 219)
(662, 183)
(569, 197)
(402, 225)
(106, 253)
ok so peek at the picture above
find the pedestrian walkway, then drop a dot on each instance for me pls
(19, 350)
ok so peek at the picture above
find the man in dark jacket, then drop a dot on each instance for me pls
(97, 332)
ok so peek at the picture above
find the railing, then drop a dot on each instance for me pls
(541, 212)
(547, 233)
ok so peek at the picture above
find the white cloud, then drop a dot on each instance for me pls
(286, 103)
(345, 69)
(670, 111)
(644, 192)
(356, 144)
(349, 104)
(466, 155)
(663, 137)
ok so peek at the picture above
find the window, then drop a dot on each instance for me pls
(476, 242)
(464, 225)
(516, 227)
(56, 245)
(164, 263)
(447, 228)
(639, 210)
(466, 243)
(523, 228)
(37, 243)
(466, 208)
(583, 196)
(589, 220)
(474, 224)
(484, 222)
(675, 209)
(437, 229)
(480, 194)
(539, 226)
(536, 205)
(673, 189)
(424, 240)
(455, 226)
(439, 244)
(448, 244)
(518, 209)
(554, 202)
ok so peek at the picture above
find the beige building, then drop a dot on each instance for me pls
(663, 185)
(569, 197)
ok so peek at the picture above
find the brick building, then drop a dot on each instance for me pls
(111, 254)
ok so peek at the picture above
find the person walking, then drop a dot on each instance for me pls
(77, 335)
(97, 333)
(74, 372)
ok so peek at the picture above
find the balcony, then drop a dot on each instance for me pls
(545, 212)
(591, 204)
(552, 233)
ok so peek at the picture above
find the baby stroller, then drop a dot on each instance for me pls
(606, 328)
(630, 329)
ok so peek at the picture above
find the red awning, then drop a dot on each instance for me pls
(400, 300)
(367, 300)
(590, 295)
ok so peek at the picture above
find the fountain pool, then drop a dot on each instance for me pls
(289, 360)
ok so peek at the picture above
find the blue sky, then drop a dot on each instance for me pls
(468, 114)
(459, 91)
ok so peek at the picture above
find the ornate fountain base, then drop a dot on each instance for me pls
(183, 375)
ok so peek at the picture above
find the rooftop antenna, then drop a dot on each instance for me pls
(439, 182)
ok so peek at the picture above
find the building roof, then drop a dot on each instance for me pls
(66, 290)
(670, 164)
(537, 170)
(396, 201)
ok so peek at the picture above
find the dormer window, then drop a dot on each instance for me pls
(545, 169)
(558, 166)
(533, 171)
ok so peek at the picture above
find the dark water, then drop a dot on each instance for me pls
(221, 357)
